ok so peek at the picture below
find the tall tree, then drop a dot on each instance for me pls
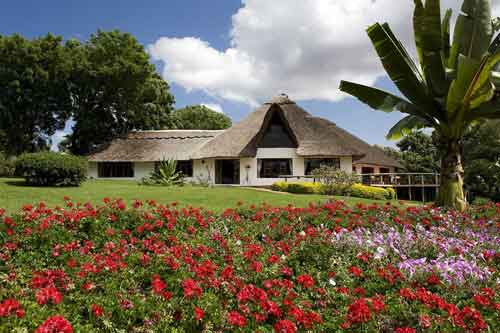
(35, 98)
(115, 90)
(482, 159)
(417, 153)
(200, 117)
(455, 85)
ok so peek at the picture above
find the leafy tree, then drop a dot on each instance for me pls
(35, 98)
(418, 153)
(454, 86)
(199, 117)
(115, 90)
(482, 159)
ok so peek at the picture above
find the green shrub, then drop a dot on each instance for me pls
(335, 181)
(297, 187)
(392, 193)
(51, 169)
(166, 174)
(280, 186)
(7, 167)
(370, 192)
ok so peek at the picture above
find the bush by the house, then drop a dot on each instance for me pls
(335, 181)
(371, 192)
(297, 187)
(51, 169)
(165, 174)
(7, 167)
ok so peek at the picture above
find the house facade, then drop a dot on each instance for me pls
(278, 139)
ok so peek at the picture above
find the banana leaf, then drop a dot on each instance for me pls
(467, 69)
(446, 35)
(477, 28)
(429, 41)
(399, 66)
(406, 126)
(378, 99)
(483, 89)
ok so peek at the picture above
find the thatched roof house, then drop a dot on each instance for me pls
(278, 139)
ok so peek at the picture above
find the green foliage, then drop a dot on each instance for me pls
(371, 192)
(51, 169)
(455, 85)
(166, 174)
(335, 181)
(354, 190)
(417, 153)
(297, 187)
(35, 98)
(199, 117)
(7, 166)
(116, 90)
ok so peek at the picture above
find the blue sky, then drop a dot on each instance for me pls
(208, 21)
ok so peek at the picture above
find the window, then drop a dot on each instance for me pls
(115, 170)
(185, 167)
(274, 168)
(312, 164)
(276, 134)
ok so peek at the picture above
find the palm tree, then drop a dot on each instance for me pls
(456, 84)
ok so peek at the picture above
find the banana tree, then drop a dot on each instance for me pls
(456, 83)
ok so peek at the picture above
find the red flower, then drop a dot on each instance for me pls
(355, 271)
(285, 326)
(97, 310)
(405, 330)
(236, 319)
(44, 295)
(359, 312)
(433, 280)
(305, 280)
(11, 306)
(191, 288)
(55, 324)
(198, 314)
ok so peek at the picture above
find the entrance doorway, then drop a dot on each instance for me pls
(227, 172)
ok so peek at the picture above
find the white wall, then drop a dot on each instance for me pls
(204, 170)
(376, 168)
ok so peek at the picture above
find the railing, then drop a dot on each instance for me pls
(401, 179)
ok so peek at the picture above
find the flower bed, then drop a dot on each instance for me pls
(154, 268)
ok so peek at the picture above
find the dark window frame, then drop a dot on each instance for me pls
(185, 167)
(265, 169)
(311, 164)
(115, 170)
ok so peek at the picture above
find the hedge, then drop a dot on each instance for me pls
(357, 190)
(297, 187)
(51, 169)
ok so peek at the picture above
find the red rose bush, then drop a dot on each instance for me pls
(146, 267)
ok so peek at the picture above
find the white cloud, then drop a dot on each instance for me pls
(214, 107)
(303, 48)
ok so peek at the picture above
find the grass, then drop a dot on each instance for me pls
(14, 193)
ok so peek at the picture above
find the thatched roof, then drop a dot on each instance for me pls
(314, 136)
(150, 146)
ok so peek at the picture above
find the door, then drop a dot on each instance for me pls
(227, 172)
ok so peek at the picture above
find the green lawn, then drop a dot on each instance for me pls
(14, 193)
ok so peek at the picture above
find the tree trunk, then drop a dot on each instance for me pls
(451, 190)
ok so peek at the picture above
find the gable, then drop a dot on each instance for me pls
(276, 133)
